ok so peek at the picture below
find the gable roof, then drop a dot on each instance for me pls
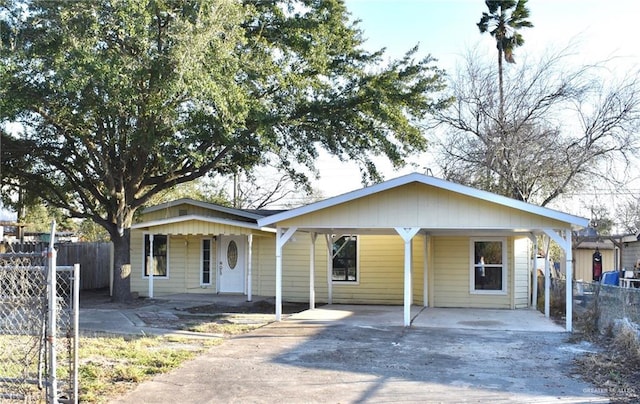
(200, 218)
(574, 221)
(253, 214)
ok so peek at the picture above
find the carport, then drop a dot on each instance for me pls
(417, 204)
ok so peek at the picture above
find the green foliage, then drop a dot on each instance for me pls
(121, 100)
(504, 19)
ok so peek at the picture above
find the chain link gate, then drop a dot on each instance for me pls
(38, 329)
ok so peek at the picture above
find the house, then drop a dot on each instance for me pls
(415, 239)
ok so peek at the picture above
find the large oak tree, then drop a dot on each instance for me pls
(118, 100)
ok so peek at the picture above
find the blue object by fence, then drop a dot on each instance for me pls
(611, 278)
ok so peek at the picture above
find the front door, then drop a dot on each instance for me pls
(231, 264)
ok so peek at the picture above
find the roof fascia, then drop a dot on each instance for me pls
(207, 219)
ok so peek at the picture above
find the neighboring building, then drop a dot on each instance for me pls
(583, 258)
(413, 239)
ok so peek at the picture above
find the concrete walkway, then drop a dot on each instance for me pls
(344, 354)
(449, 318)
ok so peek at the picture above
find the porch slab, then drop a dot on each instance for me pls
(377, 316)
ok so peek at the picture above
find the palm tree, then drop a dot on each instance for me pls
(504, 19)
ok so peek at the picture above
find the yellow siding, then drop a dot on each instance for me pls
(381, 271)
(417, 269)
(522, 272)
(451, 276)
(419, 205)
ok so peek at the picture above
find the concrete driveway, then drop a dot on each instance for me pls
(344, 354)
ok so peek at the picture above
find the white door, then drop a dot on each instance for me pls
(231, 264)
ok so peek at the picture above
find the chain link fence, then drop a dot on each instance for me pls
(38, 329)
(596, 307)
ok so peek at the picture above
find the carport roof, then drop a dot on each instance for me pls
(574, 222)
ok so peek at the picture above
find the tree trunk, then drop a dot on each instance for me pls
(500, 88)
(121, 267)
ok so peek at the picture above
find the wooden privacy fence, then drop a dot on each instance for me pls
(95, 259)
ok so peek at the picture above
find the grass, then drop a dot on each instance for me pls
(111, 365)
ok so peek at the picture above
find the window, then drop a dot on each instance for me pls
(159, 255)
(206, 263)
(488, 271)
(345, 259)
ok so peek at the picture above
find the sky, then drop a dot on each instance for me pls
(446, 29)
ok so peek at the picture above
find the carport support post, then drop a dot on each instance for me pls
(249, 268)
(547, 280)
(329, 240)
(565, 243)
(150, 266)
(312, 271)
(282, 236)
(407, 234)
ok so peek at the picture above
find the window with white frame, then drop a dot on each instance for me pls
(159, 255)
(489, 268)
(345, 259)
(206, 263)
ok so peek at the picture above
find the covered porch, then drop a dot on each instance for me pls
(419, 205)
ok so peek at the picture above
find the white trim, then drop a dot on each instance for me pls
(144, 267)
(431, 181)
(208, 219)
(212, 266)
(347, 282)
(472, 267)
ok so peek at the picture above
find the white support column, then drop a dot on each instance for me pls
(565, 243)
(282, 236)
(425, 280)
(547, 280)
(249, 267)
(407, 234)
(150, 264)
(569, 284)
(312, 271)
(329, 241)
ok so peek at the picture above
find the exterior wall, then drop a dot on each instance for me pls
(381, 271)
(417, 269)
(583, 266)
(450, 276)
(184, 265)
(522, 272)
(420, 205)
